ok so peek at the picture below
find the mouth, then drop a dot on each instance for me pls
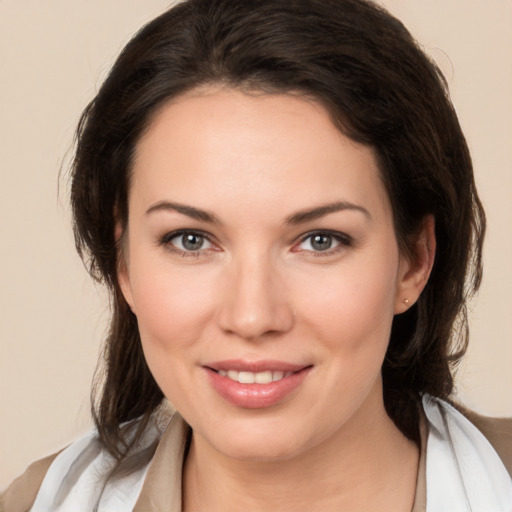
(256, 384)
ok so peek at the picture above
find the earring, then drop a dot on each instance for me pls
(406, 302)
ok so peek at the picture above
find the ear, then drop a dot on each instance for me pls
(123, 274)
(416, 266)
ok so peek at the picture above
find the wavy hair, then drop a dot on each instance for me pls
(380, 89)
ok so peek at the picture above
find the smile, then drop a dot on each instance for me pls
(244, 377)
(256, 385)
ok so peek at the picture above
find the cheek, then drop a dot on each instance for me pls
(354, 302)
(350, 314)
(171, 306)
(172, 310)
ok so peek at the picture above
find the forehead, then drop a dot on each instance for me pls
(252, 149)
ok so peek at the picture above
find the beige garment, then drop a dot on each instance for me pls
(21, 494)
(161, 491)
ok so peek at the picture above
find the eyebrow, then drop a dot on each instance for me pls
(320, 211)
(189, 211)
(294, 219)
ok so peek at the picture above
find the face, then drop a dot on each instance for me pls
(263, 268)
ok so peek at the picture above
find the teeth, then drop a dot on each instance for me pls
(254, 378)
(277, 375)
(263, 377)
(246, 377)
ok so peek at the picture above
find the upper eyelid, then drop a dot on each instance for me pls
(343, 240)
(177, 232)
(165, 239)
(335, 234)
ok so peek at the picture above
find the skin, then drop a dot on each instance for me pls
(257, 289)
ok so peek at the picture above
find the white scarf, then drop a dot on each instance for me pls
(463, 474)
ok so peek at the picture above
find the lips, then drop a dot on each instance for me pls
(255, 385)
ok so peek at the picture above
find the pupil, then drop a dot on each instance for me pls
(192, 242)
(321, 242)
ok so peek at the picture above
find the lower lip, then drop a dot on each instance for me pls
(256, 396)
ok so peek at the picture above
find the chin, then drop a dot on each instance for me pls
(259, 441)
(262, 450)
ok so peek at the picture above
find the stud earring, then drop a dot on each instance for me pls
(406, 302)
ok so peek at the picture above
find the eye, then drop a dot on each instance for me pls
(187, 241)
(324, 242)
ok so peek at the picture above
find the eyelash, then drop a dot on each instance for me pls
(165, 241)
(343, 240)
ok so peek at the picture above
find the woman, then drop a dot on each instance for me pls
(280, 198)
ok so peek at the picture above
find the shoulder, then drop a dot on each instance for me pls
(498, 432)
(467, 458)
(21, 494)
(50, 474)
(78, 475)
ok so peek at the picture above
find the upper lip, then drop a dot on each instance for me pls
(255, 366)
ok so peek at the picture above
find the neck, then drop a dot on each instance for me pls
(366, 465)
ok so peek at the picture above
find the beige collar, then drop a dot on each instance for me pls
(161, 491)
(420, 497)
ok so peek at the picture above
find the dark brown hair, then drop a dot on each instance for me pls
(365, 68)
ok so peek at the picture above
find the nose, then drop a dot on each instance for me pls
(255, 304)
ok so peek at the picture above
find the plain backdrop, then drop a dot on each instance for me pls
(53, 57)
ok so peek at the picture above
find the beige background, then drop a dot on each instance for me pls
(53, 56)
